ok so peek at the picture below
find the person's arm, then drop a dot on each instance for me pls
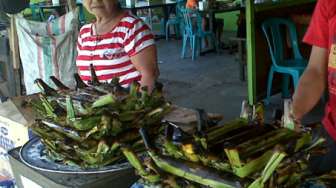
(146, 63)
(140, 46)
(312, 83)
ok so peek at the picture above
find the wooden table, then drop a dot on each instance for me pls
(166, 5)
(187, 118)
(149, 5)
(213, 11)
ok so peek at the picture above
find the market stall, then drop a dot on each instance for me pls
(100, 134)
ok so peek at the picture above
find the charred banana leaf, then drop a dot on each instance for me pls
(94, 78)
(58, 83)
(45, 88)
(79, 82)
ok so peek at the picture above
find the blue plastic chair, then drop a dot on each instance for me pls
(273, 29)
(192, 22)
(176, 21)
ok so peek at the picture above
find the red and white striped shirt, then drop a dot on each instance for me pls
(110, 53)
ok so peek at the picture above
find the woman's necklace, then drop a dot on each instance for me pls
(107, 26)
(99, 30)
(103, 28)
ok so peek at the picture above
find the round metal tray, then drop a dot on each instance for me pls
(33, 155)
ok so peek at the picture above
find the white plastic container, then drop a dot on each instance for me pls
(130, 3)
(201, 5)
(55, 2)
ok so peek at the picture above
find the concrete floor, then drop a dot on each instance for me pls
(210, 82)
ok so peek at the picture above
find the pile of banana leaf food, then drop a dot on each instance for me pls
(87, 126)
(234, 155)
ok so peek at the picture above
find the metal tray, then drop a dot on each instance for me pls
(33, 154)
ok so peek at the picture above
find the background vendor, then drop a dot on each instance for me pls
(321, 72)
(118, 44)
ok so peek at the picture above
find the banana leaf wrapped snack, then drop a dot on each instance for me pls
(87, 125)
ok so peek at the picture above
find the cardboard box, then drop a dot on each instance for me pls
(6, 182)
(14, 131)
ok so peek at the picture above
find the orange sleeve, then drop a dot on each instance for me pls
(191, 4)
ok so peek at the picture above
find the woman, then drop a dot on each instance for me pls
(118, 44)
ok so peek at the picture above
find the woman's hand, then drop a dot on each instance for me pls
(146, 63)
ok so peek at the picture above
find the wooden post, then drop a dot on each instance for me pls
(71, 5)
(251, 60)
(15, 55)
(14, 44)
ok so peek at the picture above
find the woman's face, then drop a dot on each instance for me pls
(101, 8)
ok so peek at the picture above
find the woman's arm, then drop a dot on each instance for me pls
(146, 63)
(312, 83)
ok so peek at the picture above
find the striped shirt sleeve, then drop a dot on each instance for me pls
(137, 38)
(79, 39)
(85, 30)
